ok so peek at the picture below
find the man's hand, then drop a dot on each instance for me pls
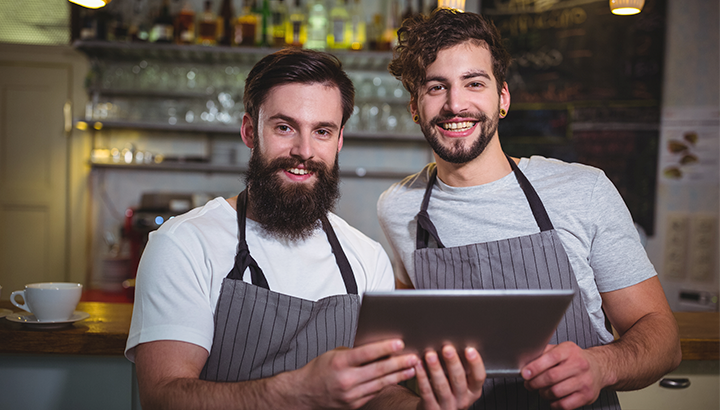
(457, 390)
(565, 375)
(349, 378)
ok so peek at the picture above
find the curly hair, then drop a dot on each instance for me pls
(421, 37)
(293, 65)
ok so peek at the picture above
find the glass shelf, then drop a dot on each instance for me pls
(231, 169)
(235, 130)
(104, 50)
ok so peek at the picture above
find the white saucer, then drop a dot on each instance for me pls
(31, 321)
(5, 312)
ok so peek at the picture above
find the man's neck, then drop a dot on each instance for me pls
(489, 166)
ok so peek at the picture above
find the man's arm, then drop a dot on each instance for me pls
(168, 374)
(648, 348)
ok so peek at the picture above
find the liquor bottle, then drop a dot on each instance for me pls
(279, 16)
(207, 26)
(138, 30)
(374, 32)
(246, 27)
(162, 29)
(389, 36)
(317, 26)
(226, 20)
(340, 33)
(357, 21)
(264, 33)
(185, 25)
(296, 26)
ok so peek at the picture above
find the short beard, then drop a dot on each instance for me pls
(455, 153)
(286, 210)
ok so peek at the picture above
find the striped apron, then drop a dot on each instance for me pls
(536, 261)
(260, 333)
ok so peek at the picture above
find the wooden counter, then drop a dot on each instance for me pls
(105, 333)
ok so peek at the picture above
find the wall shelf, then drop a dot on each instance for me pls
(233, 169)
(111, 51)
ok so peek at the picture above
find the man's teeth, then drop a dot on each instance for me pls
(298, 171)
(458, 126)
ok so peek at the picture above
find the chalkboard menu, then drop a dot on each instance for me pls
(585, 87)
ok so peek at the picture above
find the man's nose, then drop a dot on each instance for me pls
(302, 147)
(456, 101)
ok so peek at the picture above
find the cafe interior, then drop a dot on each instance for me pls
(119, 115)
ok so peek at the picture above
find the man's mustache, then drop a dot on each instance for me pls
(475, 116)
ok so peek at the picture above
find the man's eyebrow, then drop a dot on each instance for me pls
(477, 73)
(466, 76)
(294, 123)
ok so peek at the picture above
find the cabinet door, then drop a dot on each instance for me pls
(33, 173)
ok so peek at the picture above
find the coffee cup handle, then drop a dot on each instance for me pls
(24, 306)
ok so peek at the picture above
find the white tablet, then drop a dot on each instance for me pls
(509, 328)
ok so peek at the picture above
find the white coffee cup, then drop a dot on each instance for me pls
(49, 301)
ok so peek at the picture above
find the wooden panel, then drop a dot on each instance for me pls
(33, 173)
(24, 233)
(699, 335)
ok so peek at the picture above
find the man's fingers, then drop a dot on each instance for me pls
(455, 370)
(476, 369)
(550, 358)
(373, 386)
(424, 387)
(373, 351)
(441, 386)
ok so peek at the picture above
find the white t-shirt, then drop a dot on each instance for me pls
(187, 258)
(588, 213)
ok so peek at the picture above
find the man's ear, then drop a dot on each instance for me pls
(505, 98)
(247, 131)
(412, 105)
(340, 139)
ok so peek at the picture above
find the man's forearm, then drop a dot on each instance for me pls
(647, 351)
(195, 394)
(394, 397)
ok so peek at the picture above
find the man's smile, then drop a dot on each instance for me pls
(298, 171)
(457, 125)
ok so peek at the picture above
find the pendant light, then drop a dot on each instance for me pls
(452, 4)
(91, 4)
(626, 7)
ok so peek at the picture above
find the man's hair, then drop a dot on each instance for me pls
(421, 37)
(292, 65)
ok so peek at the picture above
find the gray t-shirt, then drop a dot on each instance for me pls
(586, 210)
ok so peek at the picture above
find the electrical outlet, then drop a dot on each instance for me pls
(703, 247)
(676, 245)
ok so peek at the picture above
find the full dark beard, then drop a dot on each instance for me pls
(456, 153)
(286, 210)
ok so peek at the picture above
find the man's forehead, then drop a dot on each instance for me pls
(303, 102)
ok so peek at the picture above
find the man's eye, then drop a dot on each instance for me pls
(283, 128)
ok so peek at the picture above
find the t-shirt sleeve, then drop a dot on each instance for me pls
(617, 256)
(383, 279)
(172, 300)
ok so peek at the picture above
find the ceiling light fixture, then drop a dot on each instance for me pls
(626, 7)
(91, 4)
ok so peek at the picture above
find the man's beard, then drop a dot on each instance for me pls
(456, 153)
(286, 210)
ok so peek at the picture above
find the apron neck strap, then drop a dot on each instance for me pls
(425, 227)
(538, 209)
(244, 260)
(340, 258)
